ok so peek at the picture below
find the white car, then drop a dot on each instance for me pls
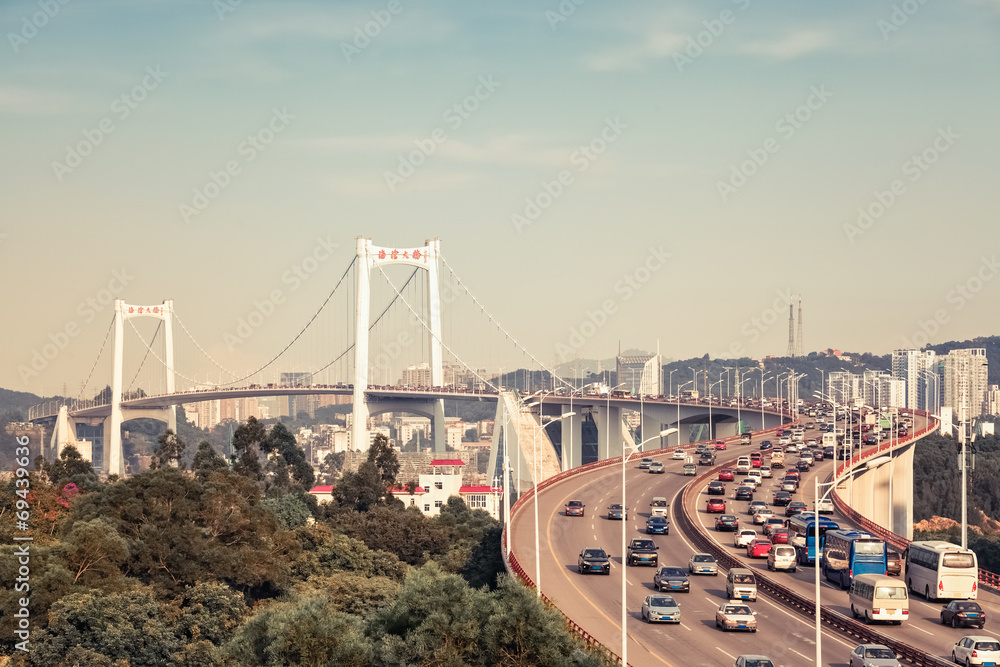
(761, 515)
(976, 650)
(744, 537)
(752, 482)
(811, 442)
(765, 471)
(824, 506)
(679, 455)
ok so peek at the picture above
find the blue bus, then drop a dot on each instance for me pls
(802, 531)
(848, 553)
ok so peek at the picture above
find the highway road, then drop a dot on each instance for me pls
(593, 601)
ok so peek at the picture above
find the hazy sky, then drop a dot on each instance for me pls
(675, 170)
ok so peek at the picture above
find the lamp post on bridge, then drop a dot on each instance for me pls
(678, 397)
(607, 445)
(625, 459)
(711, 430)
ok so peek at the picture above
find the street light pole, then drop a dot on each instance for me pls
(625, 459)
(711, 430)
(678, 397)
(538, 552)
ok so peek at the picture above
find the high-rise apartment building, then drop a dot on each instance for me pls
(913, 368)
(964, 381)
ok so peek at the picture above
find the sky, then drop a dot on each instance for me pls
(598, 173)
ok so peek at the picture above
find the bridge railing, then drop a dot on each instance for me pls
(986, 577)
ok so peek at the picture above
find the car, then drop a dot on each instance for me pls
(715, 505)
(707, 459)
(976, 650)
(679, 455)
(779, 535)
(818, 454)
(716, 488)
(726, 475)
(727, 522)
(656, 468)
(781, 498)
(782, 557)
(641, 551)
(743, 464)
(963, 613)
(789, 485)
(660, 609)
(671, 578)
(593, 560)
(766, 445)
(658, 506)
(752, 482)
(753, 661)
(894, 562)
(824, 506)
(690, 469)
(802, 466)
(808, 457)
(795, 507)
(765, 471)
(616, 511)
(720, 445)
(754, 504)
(756, 463)
(873, 655)
(744, 537)
(574, 508)
(772, 524)
(702, 563)
(743, 493)
(811, 442)
(785, 440)
(735, 615)
(761, 515)
(657, 525)
(758, 548)
(794, 474)
(644, 463)
(701, 449)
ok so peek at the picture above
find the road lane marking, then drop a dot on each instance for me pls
(802, 654)
(731, 657)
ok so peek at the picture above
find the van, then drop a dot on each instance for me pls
(743, 464)
(741, 584)
(877, 597)
(829, 440)
(782, 557)
(658, 506)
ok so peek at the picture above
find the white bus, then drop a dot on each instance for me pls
(877, 597)
(939, 569)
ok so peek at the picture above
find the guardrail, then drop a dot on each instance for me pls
(864, 634)
(514, 567)
(986, 577)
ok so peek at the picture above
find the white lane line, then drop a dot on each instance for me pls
(913, 625)
(731, 657)
(813, 659)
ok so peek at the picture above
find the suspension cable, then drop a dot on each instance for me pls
(99, 353)
(145, 356)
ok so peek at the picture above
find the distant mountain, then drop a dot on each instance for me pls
(14, 402)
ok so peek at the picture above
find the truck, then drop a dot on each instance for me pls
(746, 438)
(658, 506)
(777, 459)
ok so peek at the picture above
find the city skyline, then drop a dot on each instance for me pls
(671, 175)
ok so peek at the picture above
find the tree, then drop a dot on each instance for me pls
(331, 467)
(210, 611)
(385, 459)
(287, 463)
(246, 449)
(71, 467)
(169, 451)
(95, 549)
(289, 510)
(360, 490)
(206, 460)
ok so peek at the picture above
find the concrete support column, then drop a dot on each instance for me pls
(572, 441)
(609, 425)
(902, 491)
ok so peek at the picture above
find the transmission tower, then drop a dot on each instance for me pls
(800, 346)
(791, 331)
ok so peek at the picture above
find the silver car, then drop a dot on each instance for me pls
(661, 609)
(702, 563)
(873, 655)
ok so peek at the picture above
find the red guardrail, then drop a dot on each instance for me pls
(986, 577)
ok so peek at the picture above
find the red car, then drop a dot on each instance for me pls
(726, 475)
(758, 548)
(720, 444)
(717, 505)
(756, 463)
(779, 536)
(574, 508)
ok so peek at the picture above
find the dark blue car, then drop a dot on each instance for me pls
(657, 525)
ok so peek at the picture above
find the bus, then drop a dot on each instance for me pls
(939, 569)
(877, 597)
(802, 530)
(848, 553)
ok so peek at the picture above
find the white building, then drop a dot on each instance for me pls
(965, 382)
(913, 367)
(434, 489)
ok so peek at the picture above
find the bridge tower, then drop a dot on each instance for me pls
(369, 257)
(114, 462)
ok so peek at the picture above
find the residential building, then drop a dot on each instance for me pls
(446, 480)
(293, 405)
(912, 367)
(965, 383)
